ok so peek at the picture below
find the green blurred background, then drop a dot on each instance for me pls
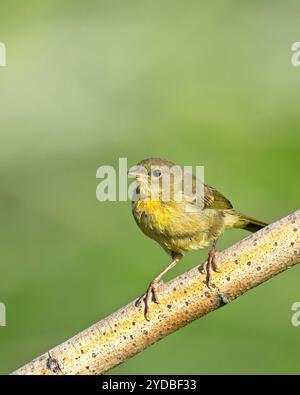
(88, 82)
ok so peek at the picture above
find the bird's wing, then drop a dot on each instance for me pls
(214, 199)
(206, 197)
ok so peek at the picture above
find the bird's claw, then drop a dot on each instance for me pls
(210, 266)
(203, 268)
(150, 295)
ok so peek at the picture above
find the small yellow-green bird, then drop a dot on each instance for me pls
(182, 222)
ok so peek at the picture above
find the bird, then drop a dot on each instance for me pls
(185, 221)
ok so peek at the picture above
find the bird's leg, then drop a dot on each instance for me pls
(151, 292)
(211, 263)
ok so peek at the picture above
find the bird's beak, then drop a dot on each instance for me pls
(137, 172)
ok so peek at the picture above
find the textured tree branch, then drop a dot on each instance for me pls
(123, 334)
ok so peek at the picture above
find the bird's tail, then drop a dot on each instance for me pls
(251, 224)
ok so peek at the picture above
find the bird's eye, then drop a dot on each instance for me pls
(156, 173)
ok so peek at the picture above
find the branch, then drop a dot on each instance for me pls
(125, 333)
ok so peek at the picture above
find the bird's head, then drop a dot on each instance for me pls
(150, 167)
(154, 175)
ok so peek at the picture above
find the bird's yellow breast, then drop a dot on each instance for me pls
(171, 226)
(156, 211)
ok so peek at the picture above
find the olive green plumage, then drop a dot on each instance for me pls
(184, 225)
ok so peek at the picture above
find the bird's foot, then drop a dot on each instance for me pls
(150, 295)
(224, 298)
(209, 266)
